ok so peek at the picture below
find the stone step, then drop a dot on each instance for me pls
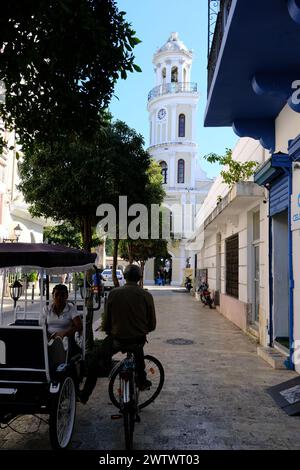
(272, 356)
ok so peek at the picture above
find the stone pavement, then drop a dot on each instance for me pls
(214, 394)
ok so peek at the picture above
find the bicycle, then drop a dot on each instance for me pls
(124, 391)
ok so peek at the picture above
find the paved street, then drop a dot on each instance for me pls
(213, 398)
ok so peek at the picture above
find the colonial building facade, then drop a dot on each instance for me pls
(253, 86)
(172, 108)
(16, 223)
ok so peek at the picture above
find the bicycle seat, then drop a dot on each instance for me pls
(125, 348)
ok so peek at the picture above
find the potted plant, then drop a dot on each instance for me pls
(32, 278)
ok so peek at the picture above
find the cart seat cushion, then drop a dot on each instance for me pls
(22, 356)
(22, 347)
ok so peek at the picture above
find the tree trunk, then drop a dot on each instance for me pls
(130, 252)
(86, 230)
(142, 271)
(115, 261)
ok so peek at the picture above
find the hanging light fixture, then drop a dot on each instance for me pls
(18, 231)
(15, 291)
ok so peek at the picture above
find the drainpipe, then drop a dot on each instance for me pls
(289, 363)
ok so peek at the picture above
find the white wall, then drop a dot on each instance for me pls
(287, 127)
(239, 222)
(246, 149)
(14, 209)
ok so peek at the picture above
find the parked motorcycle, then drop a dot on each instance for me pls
(205, 294)
(188, 283)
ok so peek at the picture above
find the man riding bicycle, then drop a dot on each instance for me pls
(129, 316)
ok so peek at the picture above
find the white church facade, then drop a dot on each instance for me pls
(172, 108)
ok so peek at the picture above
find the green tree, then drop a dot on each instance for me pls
(67, 181)
(235, 171)
(131, 174)
(69, 235)
(60, 61)
(142, 250)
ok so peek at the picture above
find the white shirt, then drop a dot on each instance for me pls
(56, 324)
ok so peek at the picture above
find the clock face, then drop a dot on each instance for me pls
(161, 114)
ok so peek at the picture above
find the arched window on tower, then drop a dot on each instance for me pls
(164, 172)
(174, 75)
(164, 75)
(180, 172)
(181, 125)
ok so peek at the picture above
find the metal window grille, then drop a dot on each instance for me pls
(180, 177)
(164, 172)
(232, 266)
(181, 130)
(256, 225)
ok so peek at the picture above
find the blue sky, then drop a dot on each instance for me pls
(153, 21)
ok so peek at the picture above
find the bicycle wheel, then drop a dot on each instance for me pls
(155, 373)
(129, 417)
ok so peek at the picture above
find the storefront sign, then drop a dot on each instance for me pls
(295, 202)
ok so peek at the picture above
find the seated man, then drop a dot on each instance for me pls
(129, 316)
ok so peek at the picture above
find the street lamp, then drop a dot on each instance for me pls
(17, 232)
(15, 291)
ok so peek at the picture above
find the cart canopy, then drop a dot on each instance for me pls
(51, 258)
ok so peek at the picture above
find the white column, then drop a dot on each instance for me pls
(188, 73)
(173, 123)
(171, 171)
(168, 76)
(180, 72)
(193, 203)
(193, 170)
(194, 124)
(158, 71)
(183, 208)
(153, 138)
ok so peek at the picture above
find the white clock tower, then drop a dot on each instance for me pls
(172, 107)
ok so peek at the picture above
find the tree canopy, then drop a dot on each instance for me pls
(69, 235)
(235, 171)
(67, 181)
(59, 62)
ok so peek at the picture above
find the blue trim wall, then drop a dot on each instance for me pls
(271, 338)
(279, 195)
(277, 176)
(290, 364)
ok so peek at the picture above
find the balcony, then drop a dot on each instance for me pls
(252, 66)
(218, 11)
(236, 201)
(172, 88)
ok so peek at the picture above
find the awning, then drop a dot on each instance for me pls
(52, 258)
(272, 169)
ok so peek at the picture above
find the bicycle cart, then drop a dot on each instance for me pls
(38, 377)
